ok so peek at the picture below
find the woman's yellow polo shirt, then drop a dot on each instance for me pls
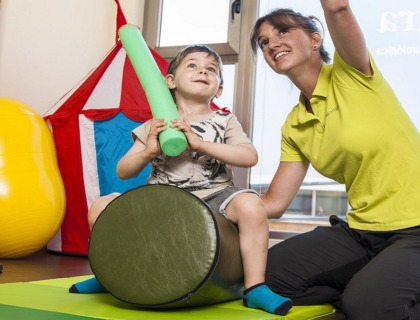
(361, 136)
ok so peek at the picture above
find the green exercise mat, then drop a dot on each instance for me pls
(50, 299)
(19, 313)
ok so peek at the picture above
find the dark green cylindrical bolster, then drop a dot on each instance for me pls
(159, 246)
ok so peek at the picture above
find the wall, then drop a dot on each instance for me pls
(47, 46)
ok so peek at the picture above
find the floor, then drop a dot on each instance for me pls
(47, 265)
(43, 265)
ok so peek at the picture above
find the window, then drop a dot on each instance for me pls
(172, 24)
(185, 20)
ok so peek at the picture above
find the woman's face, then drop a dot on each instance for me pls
(285, 51)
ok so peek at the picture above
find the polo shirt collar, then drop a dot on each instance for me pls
(320, 91)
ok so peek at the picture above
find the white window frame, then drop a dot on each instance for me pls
(153, 9)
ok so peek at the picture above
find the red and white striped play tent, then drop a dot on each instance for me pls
(91, 127)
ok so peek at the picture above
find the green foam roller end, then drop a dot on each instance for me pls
(174, 146)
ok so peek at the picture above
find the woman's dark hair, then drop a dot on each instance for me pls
(285, 19)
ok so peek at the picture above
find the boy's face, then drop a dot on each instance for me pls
(196, 77)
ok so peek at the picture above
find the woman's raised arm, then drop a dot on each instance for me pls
(346, 34)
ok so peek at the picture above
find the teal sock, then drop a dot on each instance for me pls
(261, 297)
(88, 286)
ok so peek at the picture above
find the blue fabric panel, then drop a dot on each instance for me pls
(112, 140)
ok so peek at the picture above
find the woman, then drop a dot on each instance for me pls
(350, 126)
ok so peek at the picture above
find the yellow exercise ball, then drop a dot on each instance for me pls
(32, 196)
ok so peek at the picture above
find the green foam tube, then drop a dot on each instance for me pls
(172, 141)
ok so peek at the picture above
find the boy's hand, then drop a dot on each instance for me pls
(152, 143)
(194, 141)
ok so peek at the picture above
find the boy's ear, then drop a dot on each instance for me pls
(219, 92)
(169, 79)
